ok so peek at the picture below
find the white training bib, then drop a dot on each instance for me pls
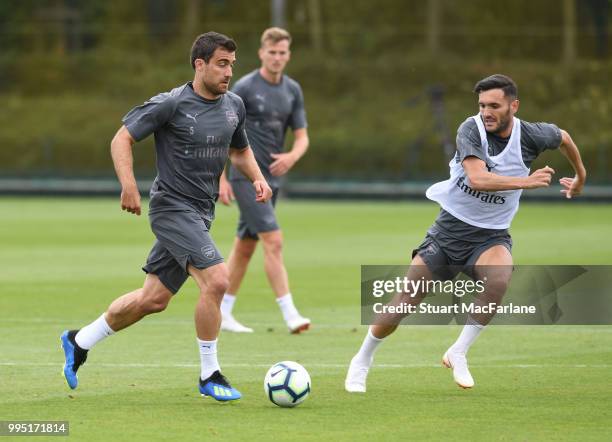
(488, 210)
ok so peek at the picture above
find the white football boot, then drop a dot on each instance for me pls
(298, 324)
(229, 323)
(458, 362)
(356, 376)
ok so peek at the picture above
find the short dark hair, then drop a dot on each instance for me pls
(498, 81)
(205, 45)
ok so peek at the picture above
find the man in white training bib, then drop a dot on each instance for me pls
(478, 202)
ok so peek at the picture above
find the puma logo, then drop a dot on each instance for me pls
(192, 117)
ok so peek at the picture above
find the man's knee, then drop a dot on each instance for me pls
(217, 280)
(151, 303)
(496, 287)
(245, 247)
(272, 242)
(155, 296)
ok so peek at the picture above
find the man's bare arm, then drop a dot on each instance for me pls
(226, 193)
(284, 161)
(483, 180)
(572, 186)
(121, 152)
(244, 161)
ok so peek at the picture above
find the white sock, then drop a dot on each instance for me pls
(93, 333)
(365, 355)
(227, 304)
(468, 335)
(208, 358)
(287, 307)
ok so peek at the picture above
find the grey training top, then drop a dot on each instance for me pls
(271, 109)
(192, 140)
(535, 138)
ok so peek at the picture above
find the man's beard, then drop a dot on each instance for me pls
(504, 122)
(215, 88)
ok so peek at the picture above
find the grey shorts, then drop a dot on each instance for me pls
(254, 217)
(182, 238)
(446, 256)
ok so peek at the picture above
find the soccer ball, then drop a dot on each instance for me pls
(287, 384)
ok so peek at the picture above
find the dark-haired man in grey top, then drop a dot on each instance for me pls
(478, 202)
(274, 102)
(197, 126)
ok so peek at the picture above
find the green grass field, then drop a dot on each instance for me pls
(62, 261)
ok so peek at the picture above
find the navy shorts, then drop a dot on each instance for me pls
(255, 217)
(183, 238)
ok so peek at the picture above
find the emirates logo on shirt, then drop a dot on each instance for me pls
(485, 197)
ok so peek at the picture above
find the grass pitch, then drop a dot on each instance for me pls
(62, 261)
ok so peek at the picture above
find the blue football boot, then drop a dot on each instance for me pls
(218, 388)
(75, 357)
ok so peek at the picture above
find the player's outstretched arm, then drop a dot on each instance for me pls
(572, 186)
(483, 180)
(121, 152)
(244, 161)
(284, 161)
